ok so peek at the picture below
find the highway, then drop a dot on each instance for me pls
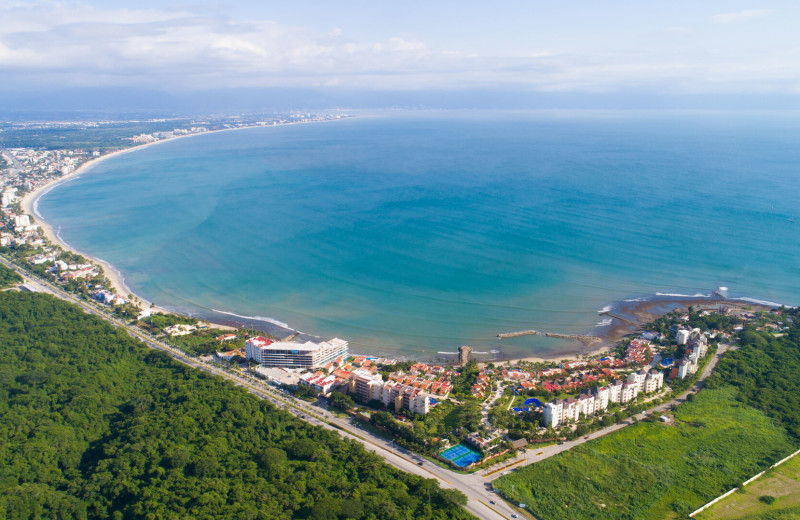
(482, 501)
(479, 497)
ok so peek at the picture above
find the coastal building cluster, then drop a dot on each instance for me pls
(21, 171)
(696, 345)
(559, 411)
(327, 370)
(158, 136)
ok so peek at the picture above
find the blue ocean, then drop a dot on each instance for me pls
(411, 233)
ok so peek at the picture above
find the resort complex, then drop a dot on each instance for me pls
(291, 354)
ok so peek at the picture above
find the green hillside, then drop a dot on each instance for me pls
(95, 425)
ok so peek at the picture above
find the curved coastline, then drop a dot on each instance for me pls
(611, 332)
(29, 205)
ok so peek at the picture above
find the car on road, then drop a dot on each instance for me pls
(419, 463)
(491, 501)
(514, 515)
(586, 438)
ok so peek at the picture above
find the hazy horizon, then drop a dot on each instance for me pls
(198, 56)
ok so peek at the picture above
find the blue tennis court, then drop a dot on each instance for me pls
(461, 455)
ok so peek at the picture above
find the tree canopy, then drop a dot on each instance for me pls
(95, 425)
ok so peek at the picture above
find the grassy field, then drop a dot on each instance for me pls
(782, 483)
(652, 470)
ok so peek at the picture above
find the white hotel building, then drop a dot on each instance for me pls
(289, 354)
(559, 411)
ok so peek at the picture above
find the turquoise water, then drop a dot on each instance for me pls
(414, 233)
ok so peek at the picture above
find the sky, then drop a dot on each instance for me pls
(670, 47)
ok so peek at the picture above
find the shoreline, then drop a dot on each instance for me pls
(638, 312)
(29, 203)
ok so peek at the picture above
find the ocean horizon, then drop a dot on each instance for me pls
(411, 233)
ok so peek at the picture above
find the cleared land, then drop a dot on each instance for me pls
(782, 483)
(653, 470)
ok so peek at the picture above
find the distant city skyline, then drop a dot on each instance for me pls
(665, 48)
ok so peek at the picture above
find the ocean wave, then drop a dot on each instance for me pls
(757, 301)
(674, 295)
(451, 353)
(636, 300)
(257, 318)
(605, 323)
(604, 309)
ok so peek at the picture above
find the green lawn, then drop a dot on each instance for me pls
(782, 483)
(653, 470)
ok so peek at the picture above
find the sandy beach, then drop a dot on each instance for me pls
(115, 277)
(28, 205)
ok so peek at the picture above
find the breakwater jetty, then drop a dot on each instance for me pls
(620, 318)
(578, 337)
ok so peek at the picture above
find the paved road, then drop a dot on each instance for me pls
(535, 455)
(474, 487)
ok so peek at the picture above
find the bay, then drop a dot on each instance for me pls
(411, 233)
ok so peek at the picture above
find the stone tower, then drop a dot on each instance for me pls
(463, 355)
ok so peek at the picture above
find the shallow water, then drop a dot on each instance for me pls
(414, 233)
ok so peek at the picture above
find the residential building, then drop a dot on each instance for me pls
(684, 368)
(290, 354)
(586, 404)
(602, 395)
(615, 391)
(553, 413)
(365, 386)
(654, 381)
(318, 381)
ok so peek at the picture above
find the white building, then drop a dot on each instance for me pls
(654, 381)
(572, 411)
(318, 381)
(629, 392)
(684, 368)
(290, 354)
(553, 412)
(682, 336)
(638, 378)
(615, 391)
(601, 396)
(586, 404)
(22, 221)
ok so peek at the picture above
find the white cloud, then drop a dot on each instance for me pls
(78, 44)
(741, 16)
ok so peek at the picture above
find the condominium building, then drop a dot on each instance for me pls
(289, 354)
(402, 396)
(654, 381)
(553, 412)
(366, 386)
(602, 395)
(559, 411)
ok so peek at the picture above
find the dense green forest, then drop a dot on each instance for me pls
(8, 277)
(746, 418)
(95, 425)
